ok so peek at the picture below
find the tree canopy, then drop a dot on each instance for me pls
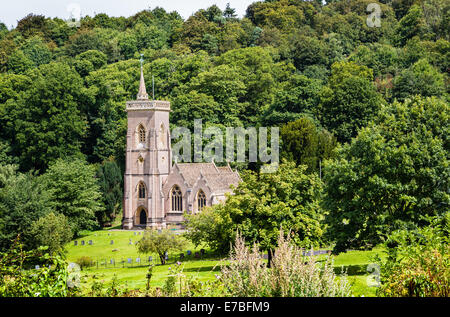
(391, 175)
(371, 100)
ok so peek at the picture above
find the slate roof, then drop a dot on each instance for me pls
(219, 179)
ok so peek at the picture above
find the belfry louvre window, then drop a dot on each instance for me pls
(177, 199)
(141, 134)
(201, 200)
(142, 193)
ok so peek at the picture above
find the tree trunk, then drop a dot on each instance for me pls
(163, 259)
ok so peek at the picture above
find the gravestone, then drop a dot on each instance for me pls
(82, 242)
(197, 255)
(202, 251)
(131, 242)
(90, 242)
(111, 261)
(139, 233)
(138, 260)
(37, 267)
(112, 242)
(181, 256)
(150, 258)
(189, 252)
(75, 242)
(129, 260)
(135, 233)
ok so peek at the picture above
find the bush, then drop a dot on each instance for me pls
(291, 274)
(418, 262)
(160, 242)
(19, 278)
(85, 262)
(52, 230)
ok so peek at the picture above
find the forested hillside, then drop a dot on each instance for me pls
(320, 72)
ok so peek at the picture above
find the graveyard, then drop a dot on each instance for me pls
(114, 255)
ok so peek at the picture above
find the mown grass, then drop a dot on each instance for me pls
(353, 262)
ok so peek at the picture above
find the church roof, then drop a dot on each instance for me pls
(221, 182)
(219, 179)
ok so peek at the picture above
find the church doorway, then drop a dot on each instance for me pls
(141, 217)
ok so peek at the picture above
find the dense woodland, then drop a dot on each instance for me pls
(363, 114)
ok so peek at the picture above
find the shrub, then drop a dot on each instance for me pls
(19, 278)
(291, 273)
(160, 242)
(52, 230)
(85, 262)
(418, 262)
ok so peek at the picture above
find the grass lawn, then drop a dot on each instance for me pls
(355, 263)
(133, 276)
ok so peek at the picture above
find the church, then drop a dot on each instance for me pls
(157, 193)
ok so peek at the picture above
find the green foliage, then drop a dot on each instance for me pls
(349, 101)
(191, 106)
(45, 120)
(18, 278)
(5, 154)
(418, 261)
(109, 177)
(381, 58)
(160, 243)
(37, 51)
(242, 72)
(297, 96)
(74, 192)
(412, 24)
(308, 51)
(259, 206)
(89, 61)
(23, 200)
(85, 262)
(18, 62)
(419, 79)
(63, 92)
(52, 231)
(226, 86)
(32, 25)
(392, 174)
(304, 143)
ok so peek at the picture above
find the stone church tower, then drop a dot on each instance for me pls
(157, 193)
(148, 161)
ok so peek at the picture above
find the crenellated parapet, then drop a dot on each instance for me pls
(145, 105)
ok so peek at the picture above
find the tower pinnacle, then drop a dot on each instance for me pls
(142, 94)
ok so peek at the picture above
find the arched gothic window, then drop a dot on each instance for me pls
(201, 200)
(177, 199)
(141, 132)
(142, 193)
